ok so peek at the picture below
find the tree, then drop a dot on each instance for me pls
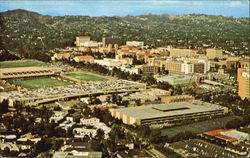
(235, 123)
(4, 106)
(155, 136)
(144, 130)
(42, 145)
(96, 145)
(57, 145)
(108, 99)
(100, 134)
(138, 102)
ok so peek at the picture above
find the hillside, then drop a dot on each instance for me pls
(21, 31)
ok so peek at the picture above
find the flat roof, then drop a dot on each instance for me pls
(179, 96)
(21, 69)
(169, 109)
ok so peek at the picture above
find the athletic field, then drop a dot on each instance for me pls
(22, 63)
(86, 77)
(39, 83)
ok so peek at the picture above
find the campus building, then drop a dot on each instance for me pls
(147, 69)
(91, 44)
(178, 98)
(60, 56)
(182, 79)
(135, 44)
(87, 58)
(181, 52)
(243, 78)
(80, 40)
(21, 72)
(106, 41)
(170, 113)
(172, 65)
(214, 53)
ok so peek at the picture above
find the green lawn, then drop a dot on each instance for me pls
(86, 77)
(21, 63)
(39, 83)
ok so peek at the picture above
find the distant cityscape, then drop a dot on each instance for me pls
(112, 97)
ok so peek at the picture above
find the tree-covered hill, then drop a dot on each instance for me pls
(25, 32)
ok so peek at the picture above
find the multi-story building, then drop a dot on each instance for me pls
(89, 59)
(178, 98)
(181, 52)
(91, 44)
(243, 78)
(184, 79)
(172, 65)
(80, 40)
(170, 113)
(187, 68)
(147, 69)
(135, 43)
(108, 40)
(245, 63)
(214, 53)
(199, 68)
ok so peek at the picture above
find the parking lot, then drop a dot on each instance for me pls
(203, 149)
(198, 127)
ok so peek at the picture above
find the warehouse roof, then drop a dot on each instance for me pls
(170, 109)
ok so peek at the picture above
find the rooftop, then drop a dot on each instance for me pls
(84, 57)
(170, 109)
(21, 69)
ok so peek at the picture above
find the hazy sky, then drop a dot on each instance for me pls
(236, 8)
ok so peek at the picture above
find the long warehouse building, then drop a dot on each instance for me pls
(170, 113)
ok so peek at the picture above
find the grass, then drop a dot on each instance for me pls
(21, 63)
(39, 83)
(85, 77)
(198, 127)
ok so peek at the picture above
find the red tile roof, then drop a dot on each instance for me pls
(84, 57)
(63, 55)
(226, 138)
(215, 132)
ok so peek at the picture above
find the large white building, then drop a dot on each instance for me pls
(135, 44)
(80, 40)
(181, 79)
(91, 44)
(82, 132)
(110, 63)
(181, 52)
(170, 113)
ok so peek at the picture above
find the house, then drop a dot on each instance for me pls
(77, 153)
(10, 146)
(82, 132)
(61, 56)
(97, 124)
(3, 128)
(69, 146)
(89, 121)
(87, 58)
(57, 116)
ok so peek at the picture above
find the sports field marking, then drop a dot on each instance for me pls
(22, 63)
(39, 83)
(85, 77)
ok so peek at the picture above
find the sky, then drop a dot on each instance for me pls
(235, 8)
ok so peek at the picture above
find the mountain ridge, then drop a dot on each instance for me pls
(21, 29)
